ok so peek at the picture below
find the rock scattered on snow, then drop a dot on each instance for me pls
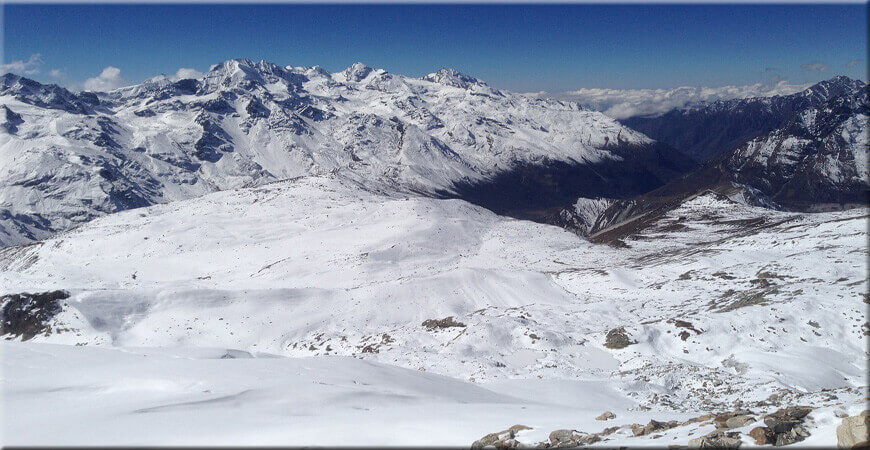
(784, 427)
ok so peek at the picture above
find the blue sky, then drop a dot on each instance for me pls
(522, 48)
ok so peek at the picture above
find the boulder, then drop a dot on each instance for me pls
(447, 322)
(653, 426)
(606, 415)
(739, 421)
(564, 438)
(721, 420)
(853, 432)
(617, 338)
(762, 436)
(717, 439)
(501, 439)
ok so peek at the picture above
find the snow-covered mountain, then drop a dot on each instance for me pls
(70, 157)
(705, 130)
(816, 161)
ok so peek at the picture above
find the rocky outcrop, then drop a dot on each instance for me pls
(571, 438)
(447, 322)
(654, 426)
(501, 439)
(27, 315)
(618, 338)
(783, 427)
(717, 439)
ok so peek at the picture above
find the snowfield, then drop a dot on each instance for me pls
(724, 306)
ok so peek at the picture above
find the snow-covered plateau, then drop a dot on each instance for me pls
(316, 311)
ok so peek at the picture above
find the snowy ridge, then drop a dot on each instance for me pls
(71, 157)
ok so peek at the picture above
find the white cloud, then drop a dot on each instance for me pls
(57, 74)
(109, 78)
(623, 103)
(184, 73)
(29, 67)
(814, 67)
(854, 62)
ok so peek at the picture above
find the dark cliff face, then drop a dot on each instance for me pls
(704, 131)
(539, 192)
(811, 163)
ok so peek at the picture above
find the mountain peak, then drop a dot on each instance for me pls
(242, 73)
(833, 87)
(49, 96)
(453, 77)
(357, 72)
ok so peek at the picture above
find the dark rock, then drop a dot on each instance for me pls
(10, 120)
(617, 338)
(446, 322)
(717, 439)
(27, 315)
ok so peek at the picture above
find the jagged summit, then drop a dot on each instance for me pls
(453, 77)
(357, 72)
(49, 96)
(838, 86)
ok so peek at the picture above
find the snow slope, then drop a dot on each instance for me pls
(729, 304)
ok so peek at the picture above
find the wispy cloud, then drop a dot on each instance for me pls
(109, 78)
(854, 62)
(623, 103)
(30, 66)
(815, 67)
(184, 73)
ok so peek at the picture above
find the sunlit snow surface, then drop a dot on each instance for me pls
(317, 266)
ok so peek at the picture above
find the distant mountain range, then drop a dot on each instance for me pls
(70, 157)
(802, 152)
(705, 130)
